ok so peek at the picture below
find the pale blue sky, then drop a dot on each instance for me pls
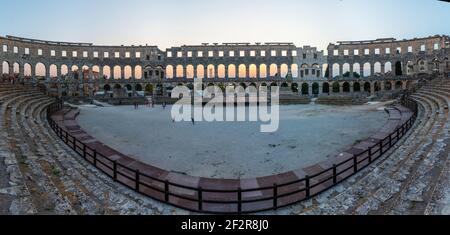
(177, 22)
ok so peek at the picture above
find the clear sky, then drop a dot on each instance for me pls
(167, 23)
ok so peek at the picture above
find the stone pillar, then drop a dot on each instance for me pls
(279, 71)
(361, 71)
(195, 71)
(310, 89)
(372, 69)
(226, 72)
(351, 70)
(372, 88)
(382, 68)
(122, 73)
(341, 88)
(341, 67)
(352, 88)
(100, 71)
(133, 75)
(320, 89)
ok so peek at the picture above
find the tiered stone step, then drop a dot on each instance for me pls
(405, 182)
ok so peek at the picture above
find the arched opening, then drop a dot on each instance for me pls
(294, 70)
(117, 86)
(107, 72)
(326, 88)
(53, 71)
(336, 70)
(388, 86)
(398, 68)
(376, 86)
(263, 71)
(138, 87)
(179, 71)
(190, 71)
(367, 87)
(138, 72)
(107, 87)
(356, 70)
(211, 71)
(346, 87)
(16, 68)
(356, 87)
(128, 73)
(40, 70)
(377, 68)
(117, 72)
(315, 88)
(252, 71)
(346, 70)
(221, 71)
(294, 87)
(96, 72)
(129, 87)
(305, 89)
(284, 70)
(336, 87)
(5, 67)
(388, 68)
(149, 88)
(169, 71)
(242, 71)
(398, 85)
(273, 70)
(231, 71)
(200, 71)
(27, 70)
(367, 70)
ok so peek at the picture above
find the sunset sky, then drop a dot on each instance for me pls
(177, 22)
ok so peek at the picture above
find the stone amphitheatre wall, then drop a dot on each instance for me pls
(81, 69)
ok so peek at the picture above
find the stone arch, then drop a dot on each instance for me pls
(294, 87)
(346, 87)
(128, 87)
(398, 68)
(367, 87)
(16, 68)
(242, 71)
(315, 88)
(231, 71)
(211, 71)
(336, 87)
(336, 70)
(398, 85)
(356, 87)
(221, 71)
(96, 71)
(284, 70)
(388, 68)
(326, 87)
(273, 70)
(346, 70)
(117, 70)
(294, 70)
(387, 85)
(179, 71)
(128, 72)
(5, 67)
(263, 71)
(316, 70)
(367, 70)
(305, 88)
(138, 72)
(190, 71)
(117, 86)
(377, 68)
(138, 87)
(40, 70)
(27, 70)
(169, 71)
(357, 70)
(106, 87)
(53, 69)
(200, 71)
(304, 70)
(107, 72)
(252, 71)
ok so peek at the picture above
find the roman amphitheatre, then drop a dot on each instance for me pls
(363, 129)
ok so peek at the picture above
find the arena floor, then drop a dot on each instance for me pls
(307, 134)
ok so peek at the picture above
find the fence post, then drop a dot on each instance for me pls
(239, 200)
(381, 147)
(200, 199)
(137, 180)
(307, 190)
(166, 191)
(84, 150)
(275, 196)
(334, 174)
(95, 157)
(114, 169)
